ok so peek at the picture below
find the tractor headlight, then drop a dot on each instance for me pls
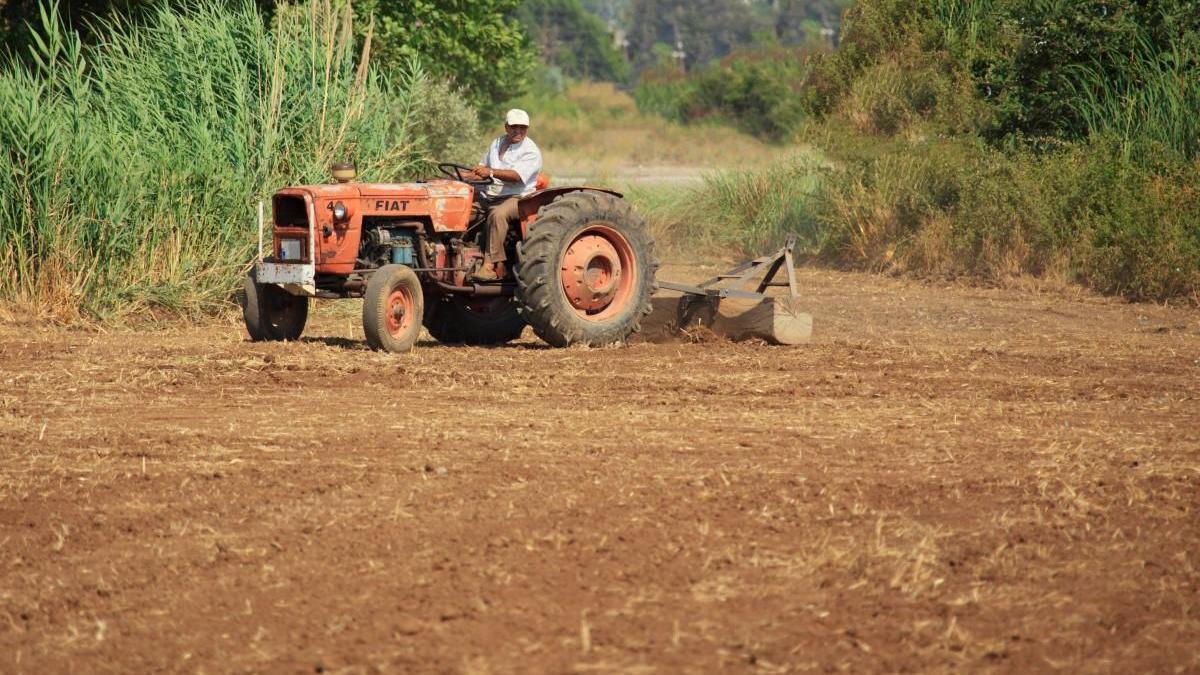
(289, 249)
(339, 212)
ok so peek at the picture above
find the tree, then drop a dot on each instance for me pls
(702, 30)
(476, 43)
(611, 11)
(570, 37)
(799, 22)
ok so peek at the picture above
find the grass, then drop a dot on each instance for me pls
(954, 207)
(1152, 108)
(133, 168)
(746, 212)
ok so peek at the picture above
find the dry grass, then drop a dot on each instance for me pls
(597, 132)
(948, 479)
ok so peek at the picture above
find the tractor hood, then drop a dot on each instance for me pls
(416, 190)
(445, 205)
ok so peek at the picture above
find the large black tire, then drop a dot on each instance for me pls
(578, 218)
(474, 321)
(271, 313)
(392, 309)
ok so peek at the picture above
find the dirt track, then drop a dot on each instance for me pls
(947, 479)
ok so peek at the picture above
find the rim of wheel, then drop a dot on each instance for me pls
(400, 311)
(598, 272)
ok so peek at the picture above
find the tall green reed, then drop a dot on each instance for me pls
(132, 168)
(1153, 107)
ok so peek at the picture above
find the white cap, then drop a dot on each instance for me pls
(517, 116)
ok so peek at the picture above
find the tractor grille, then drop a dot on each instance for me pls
(290, 211)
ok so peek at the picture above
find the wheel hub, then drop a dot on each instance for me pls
(591, 272)
(397, 312)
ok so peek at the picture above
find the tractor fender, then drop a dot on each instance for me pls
(528, 206)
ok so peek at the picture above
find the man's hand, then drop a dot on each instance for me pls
(481, 172)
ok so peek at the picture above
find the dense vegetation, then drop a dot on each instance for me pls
(477, 44)
(1057, 71)
(131, 171)
(989, 138)
(1008, 137)
(495, 49)
(86, 17)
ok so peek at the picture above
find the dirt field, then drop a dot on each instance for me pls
(947, 479)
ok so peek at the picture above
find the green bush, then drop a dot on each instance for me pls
(132, 169)
(981, 138)
(662, 91)
(753, 89)
(442, 125)
(1142, 229)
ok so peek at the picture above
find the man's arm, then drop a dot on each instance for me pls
(527, 166)
(507, 175)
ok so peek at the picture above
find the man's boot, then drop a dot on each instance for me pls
(486, 271)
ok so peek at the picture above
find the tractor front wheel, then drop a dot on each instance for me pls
(586, 271)
(271, 313)
(392, 309)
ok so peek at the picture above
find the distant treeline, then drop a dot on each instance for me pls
(618, 40)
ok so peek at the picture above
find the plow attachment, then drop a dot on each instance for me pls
(722, 304)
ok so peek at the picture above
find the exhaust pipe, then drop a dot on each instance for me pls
(488, 290)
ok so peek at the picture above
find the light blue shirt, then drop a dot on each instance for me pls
(525, 158)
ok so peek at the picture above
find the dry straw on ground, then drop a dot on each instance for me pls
(948, 479)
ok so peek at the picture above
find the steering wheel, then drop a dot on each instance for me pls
(455, 171)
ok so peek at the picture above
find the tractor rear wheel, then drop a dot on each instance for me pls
(271, 313)
(392, 308)
(586, 271)
(474, 321)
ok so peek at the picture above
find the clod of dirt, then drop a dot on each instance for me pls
(408, 626)
(700, 335)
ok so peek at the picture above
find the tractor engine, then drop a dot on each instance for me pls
(389, 242)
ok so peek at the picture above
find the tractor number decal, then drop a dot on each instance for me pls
(392, 205)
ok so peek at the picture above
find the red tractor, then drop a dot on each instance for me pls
(581, 266)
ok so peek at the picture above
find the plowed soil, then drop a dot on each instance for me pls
(946, 479)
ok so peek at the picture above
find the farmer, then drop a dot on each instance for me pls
(512, 164)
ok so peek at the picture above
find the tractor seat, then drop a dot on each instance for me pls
(543, 181)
